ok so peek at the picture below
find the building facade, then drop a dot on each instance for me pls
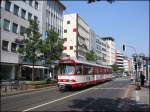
(101, 50)
(15, 17)
(119, 60)
(76, 36)
(111, 49)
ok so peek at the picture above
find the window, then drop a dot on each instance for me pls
(14, 28)
(13, 47)
(79, 70)
(5, 45)
(71, 47)
(68, 22)
(67, 69)
(74, 30)
(65, 48)
(16, 10)
(22, 30)
(65, 39)
(35, 18)
(36, 5)
(30, 2)
(65, 31)
(23, 13)
(6, 25)
(7, 5)
(29, 16)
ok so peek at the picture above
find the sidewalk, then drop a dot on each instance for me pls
(139, 100)
(15, 92)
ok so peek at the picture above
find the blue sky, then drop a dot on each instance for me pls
(126, 21)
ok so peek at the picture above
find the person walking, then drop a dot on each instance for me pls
(142, 77)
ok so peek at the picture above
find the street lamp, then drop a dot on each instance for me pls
(138, 60)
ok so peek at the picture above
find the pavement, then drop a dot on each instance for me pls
(137, 100)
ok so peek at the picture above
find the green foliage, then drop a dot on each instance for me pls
(116, 68)
(31, 43)
(52, 47)
(90, 56)
(109, 1)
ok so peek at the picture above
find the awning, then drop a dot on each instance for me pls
(34, 66)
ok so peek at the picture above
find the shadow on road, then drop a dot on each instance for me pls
(108, 105)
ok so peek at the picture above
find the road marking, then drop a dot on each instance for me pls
(137, 96)
(108, 88)
(57, 100)
(127, 92)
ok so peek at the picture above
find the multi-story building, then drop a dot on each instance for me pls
(76, 36)
(119, 59)
(101, 51)
(111, 51)
(15, 17)
(52, 16)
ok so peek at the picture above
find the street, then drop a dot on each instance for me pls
(93, 98)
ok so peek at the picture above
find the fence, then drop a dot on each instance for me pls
(12, 85)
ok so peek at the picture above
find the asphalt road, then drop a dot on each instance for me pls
(103, 97)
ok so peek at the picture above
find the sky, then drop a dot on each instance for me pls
(126, 21)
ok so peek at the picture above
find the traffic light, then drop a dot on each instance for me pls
(124, 47)
(90, 1)
(135, 66)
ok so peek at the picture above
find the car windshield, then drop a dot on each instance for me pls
(67, 69)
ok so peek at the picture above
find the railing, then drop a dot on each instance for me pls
(12, 85)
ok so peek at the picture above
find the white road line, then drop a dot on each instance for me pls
(126, 93)
(108, 88)
(137, 96)
(57, 100)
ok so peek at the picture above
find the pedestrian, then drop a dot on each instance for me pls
(142, 77)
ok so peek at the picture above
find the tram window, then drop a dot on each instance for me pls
(85, 70)
(79, 70)
(67, 69)
(88, 70)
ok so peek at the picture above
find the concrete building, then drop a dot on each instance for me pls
(76, 36)
(15, 17)
(119, 59)
(101, 51)
(128, 64)
(111, 51)
(147, 68)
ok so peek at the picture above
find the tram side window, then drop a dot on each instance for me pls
(79, 70)
(85, 70)
(88, 70)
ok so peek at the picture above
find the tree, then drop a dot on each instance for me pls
(109, 1)
(115, 68)
(91, 56)
(31, 44)
(52, 46)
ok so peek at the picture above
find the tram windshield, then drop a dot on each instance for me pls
(67, 69)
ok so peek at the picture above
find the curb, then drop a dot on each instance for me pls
(26, 91)
(124, 106)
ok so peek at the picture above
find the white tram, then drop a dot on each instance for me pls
(76, 74)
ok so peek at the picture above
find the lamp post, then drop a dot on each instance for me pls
(138, 60)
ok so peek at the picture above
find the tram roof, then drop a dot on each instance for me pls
(86, 62)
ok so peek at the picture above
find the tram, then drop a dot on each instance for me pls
(77, 74)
